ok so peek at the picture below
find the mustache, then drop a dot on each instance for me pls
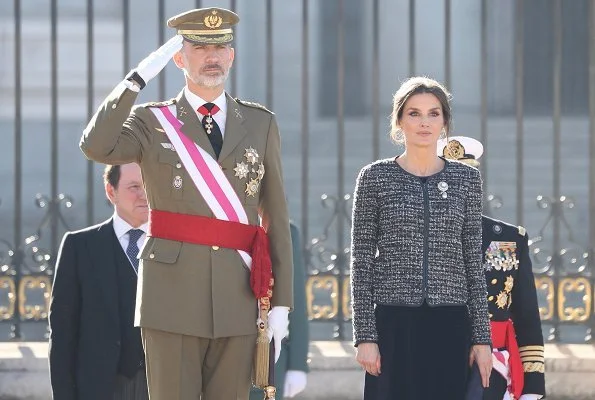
(212, 66)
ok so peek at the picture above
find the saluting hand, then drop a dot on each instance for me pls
(481, 354)
(157, 60)
(368, 356)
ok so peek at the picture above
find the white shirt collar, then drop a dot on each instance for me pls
(196, 101)
(122, 227)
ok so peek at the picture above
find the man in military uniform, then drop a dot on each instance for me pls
(518, 354)
(218, 217)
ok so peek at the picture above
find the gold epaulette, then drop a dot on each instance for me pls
(253, 104)
(522, 230)
(160, 103)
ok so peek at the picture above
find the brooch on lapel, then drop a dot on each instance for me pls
(443, 187)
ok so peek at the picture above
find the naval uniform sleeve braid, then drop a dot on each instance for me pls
(364, 239)
(476, 281)
(527, 324)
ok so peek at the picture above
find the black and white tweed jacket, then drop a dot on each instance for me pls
(415, 240)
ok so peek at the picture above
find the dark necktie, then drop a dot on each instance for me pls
(211, 127)
(132, 249)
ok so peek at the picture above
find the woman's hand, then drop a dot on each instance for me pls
(481, 354)
(368, 356)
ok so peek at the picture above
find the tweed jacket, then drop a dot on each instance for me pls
(416, 240)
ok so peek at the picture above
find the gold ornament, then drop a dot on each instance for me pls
(213, 20)
(502, 300)
(453, 150)
(508, 284)
(252, 187)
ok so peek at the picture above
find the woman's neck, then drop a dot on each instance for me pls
(420, 162)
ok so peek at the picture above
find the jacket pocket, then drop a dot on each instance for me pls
(171, 170)
(161, 250)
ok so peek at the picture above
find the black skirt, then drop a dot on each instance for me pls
(424, 353)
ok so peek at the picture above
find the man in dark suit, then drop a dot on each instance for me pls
(95, 351)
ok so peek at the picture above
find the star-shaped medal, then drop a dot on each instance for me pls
(252, 187)
(251, 155)
(502, 300)
(241, 170)
(260, 172)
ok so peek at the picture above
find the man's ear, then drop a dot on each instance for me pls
(110, 192)
(178, 59)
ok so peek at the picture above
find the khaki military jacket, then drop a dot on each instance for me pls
(186, 288)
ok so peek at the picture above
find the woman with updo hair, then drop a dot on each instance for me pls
(420, 314)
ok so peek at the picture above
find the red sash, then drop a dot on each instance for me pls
(504, 336)
(207, 231)
(224, 203)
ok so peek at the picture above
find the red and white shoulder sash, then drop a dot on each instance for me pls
(205, 172)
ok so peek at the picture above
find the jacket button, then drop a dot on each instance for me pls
(178, 165)
(114, 106)
(494, 281)
(141, 364)
(152, 255)
(215, 248)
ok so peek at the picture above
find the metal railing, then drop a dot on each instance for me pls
(564, 275)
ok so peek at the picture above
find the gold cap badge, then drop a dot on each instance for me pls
(205, 25)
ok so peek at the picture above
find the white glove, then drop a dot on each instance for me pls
(278, 327)
(295, 383)
(530, 396)
(157, 60)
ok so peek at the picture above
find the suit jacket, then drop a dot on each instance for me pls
(87, 336)
(512, 295)
(187, 288)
